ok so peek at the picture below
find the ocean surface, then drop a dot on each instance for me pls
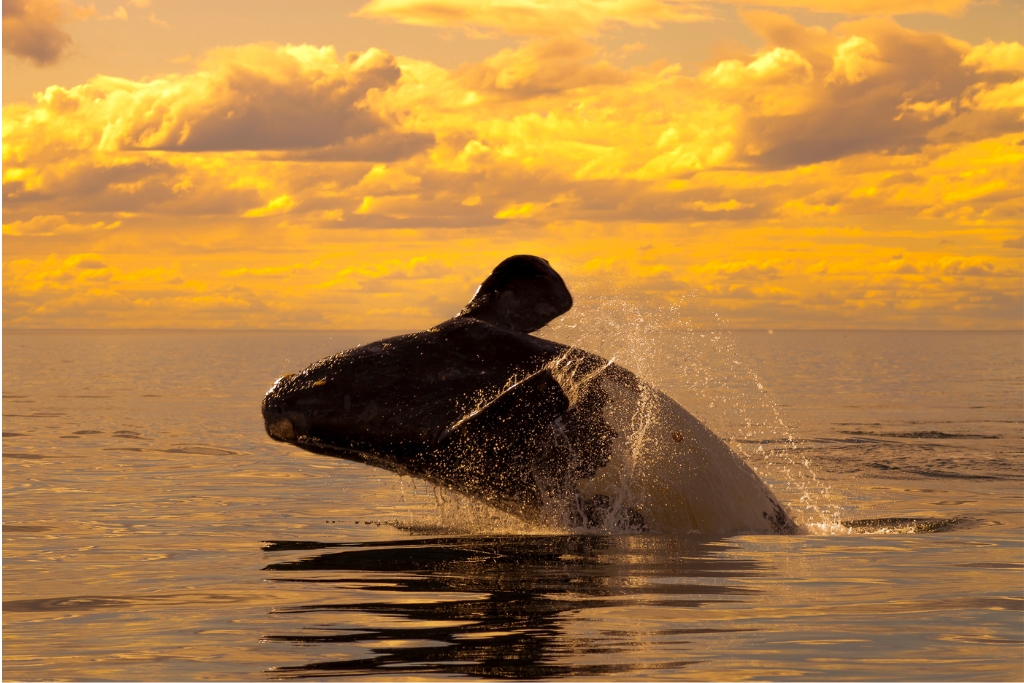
(152, 531)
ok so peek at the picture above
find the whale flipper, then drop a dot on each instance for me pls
(536, 400)
(488, 452)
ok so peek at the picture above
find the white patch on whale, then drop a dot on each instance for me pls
(670, 468)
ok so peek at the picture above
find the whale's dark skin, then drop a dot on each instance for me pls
(473, 404)
(468, 404)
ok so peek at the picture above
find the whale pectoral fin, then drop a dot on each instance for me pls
(516, 412)
(494, 451)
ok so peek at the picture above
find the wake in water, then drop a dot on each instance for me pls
(904, 525)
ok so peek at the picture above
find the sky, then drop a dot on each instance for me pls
(319, 164)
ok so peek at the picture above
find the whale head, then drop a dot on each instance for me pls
(393, 398)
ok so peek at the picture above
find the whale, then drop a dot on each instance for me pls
(547, 432)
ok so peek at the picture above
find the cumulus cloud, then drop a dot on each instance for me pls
(551, 130)
(541, 67)
(877, 87)
(534, 17)
(123, 145)
(255, 97)
(844, 142)
(992, 57)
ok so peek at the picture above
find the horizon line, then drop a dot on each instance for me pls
(403, 330)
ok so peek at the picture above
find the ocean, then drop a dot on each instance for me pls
(152, 530)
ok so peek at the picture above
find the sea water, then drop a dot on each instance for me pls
(152, 531)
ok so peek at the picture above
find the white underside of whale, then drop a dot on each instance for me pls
(673, 470)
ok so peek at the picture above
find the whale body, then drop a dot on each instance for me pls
(547, 432)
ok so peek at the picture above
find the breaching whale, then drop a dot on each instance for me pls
(545, 431)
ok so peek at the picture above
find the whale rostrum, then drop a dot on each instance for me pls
(541, 430)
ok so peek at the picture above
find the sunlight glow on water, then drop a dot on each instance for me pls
(152, 531)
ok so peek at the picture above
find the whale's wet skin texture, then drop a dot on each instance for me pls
(547, 432)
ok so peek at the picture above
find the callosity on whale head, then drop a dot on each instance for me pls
(536, 428)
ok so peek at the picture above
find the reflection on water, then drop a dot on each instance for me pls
(139, 484)
(495, 607)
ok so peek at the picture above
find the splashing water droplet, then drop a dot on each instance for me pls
(687, 351)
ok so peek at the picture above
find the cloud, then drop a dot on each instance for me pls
(270, 272)
(540, 67)
(163, 145)
(534, 17)
(486, 18)
(877, 73)
(255, 97)
(865, 7)
(86, 262)
(90, 289)
(275, 206)
(1000, 96)
(32, 28)
(742, 271)
(992, 57)
(856, 60)
(549, 131)
(50, 226)
(778, 182)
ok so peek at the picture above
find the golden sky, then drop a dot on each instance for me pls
(333, 164)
